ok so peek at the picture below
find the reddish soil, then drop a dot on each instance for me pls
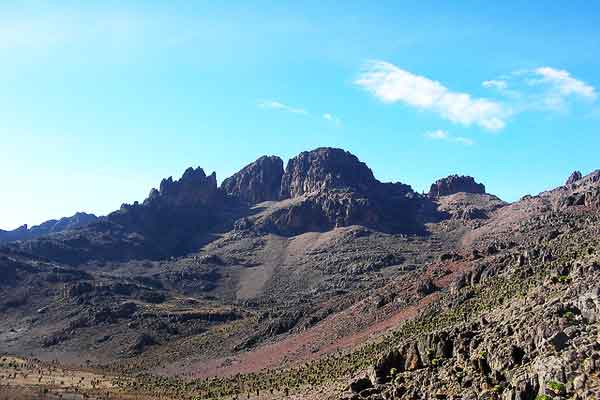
(326, 337)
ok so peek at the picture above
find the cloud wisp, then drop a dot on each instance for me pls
(563, 83)
(276, 105)
(442, 135)
(394, 85)
(499, 84)
(333, 119)
(280, 106)
(542, 89)
(558, 88)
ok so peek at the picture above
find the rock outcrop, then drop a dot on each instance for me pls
(574, 177)
(173, 220)
(323, 169)
(256, 182)
(327, 188)
(455, 184)
(192, 189)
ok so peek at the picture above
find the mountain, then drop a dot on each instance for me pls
(313, 281)
(77, 220)
(327, 188)
(319, 190)
(172, 220)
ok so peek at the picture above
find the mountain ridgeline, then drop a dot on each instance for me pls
(317, 191)
(24, 232)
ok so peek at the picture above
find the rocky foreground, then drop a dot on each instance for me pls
(318, 281)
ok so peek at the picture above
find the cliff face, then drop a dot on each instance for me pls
(455, 184)
(192, 189)
(257, 182)
(327, 188)
(325, 169)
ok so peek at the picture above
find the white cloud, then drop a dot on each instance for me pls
(276, 105)
(563, 83)
(499, 84)
(392, 84)
(331, 118)
(541, 89)
(556, 88)
(442, 135)
(438, 134)
(463, 140)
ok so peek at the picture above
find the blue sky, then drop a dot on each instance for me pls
(100, 100)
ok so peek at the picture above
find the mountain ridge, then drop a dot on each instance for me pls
(321, 170)
(351, 288)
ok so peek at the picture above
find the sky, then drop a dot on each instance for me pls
(100, 100)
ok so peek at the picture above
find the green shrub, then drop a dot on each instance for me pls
(556, 387)
(436, 362)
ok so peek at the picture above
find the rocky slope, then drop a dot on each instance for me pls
(319, 282)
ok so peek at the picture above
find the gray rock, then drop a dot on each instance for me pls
(257, 182)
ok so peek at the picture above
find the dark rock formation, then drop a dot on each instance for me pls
(77, 220)
(193, 189)
(455, 184)
(256, 182)
(325, 168)
(171, 221)
(574, 177)
(332, 188)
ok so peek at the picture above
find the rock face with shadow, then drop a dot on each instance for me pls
(325, 169)
(257, 182)
(455, 184)
(328, 188)
(173, 220)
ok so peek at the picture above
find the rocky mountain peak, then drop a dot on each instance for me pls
(256, 182)
(454, 184)
(194, 187)
(325, 168)
(574, 177)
